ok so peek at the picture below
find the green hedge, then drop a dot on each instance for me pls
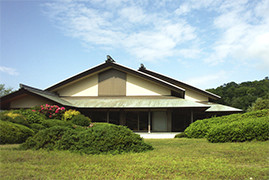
(200, 128)
(45, 139)
(99, 139)
(81, 120)
(11, 133)
(240, 131)
(31, 116)
(55, 122)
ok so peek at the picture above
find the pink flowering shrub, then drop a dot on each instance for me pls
(51, 111)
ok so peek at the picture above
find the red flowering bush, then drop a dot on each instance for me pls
(51, 111)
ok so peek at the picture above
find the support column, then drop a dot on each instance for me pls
(107, 116)
(149, 122)
(191, 116)
(138, 121)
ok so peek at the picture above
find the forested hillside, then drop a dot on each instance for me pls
(242, 95)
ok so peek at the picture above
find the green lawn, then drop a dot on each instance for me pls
(171, 159)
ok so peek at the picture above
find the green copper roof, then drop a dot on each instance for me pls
(46, 94)
(220, 108)
(123, 102)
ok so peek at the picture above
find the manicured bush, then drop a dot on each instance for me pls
(11, 133)
(55, 122)
(45, 139)
(68, 115)
(200, 128)
(31, 115)
(37, 127)
(239, 131)
(98, 139)
(81, 120)
(14, 117)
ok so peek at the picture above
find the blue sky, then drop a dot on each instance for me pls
(205, 43)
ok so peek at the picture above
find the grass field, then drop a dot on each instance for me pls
(171, 159)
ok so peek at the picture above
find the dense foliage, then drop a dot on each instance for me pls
(11, 133)
(68, 115)
(259, 104)
(98, 139)
(4, 91)
(81, 120)
(236, 127)
(242, 95)
(240, 131)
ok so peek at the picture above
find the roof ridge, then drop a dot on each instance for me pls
(153, 72)
(23, 86)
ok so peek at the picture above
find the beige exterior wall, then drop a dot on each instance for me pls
(28, 102)
(85, 87)
(139, 87)
(194, 96)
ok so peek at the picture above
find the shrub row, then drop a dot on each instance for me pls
(36, 121)
(200, 128)
(240, 131)
(99, 139)
(11, 133)
(232, 128)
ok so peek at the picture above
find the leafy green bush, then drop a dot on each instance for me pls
(68, 115)
(55, 122)
(14, 117)
(81, 120)
(32, 116)
(37, 127)
(99, 139)
(242, 130)
(45, 139)
(200, 128)
(11, 133)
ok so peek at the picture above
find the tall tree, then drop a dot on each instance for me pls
(4, 90)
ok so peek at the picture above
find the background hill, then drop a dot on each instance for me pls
(242, 95)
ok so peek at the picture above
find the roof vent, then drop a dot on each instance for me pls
(142, 67)
(109, 59)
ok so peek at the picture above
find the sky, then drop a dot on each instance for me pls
(204, 43)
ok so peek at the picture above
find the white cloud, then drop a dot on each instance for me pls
(151, 35)
(241, 29)
(208, 79)
(8, 70)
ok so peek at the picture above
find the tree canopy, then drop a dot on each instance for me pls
(242, 95)
(4, 90)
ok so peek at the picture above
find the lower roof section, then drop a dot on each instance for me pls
(135, 102)
(214, 107)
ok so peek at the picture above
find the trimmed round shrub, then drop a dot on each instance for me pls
(101, 138)
(45, 139)
(55, 122)
(14, 117)
(240, 131)
(32, 116)
(81, 120)
(11, 133)
(68, 115)
(37, 127)
(200, 128)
